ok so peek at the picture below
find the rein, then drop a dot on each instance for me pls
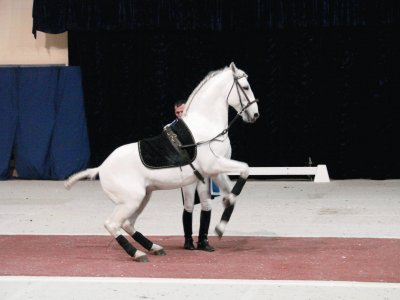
(225, 131)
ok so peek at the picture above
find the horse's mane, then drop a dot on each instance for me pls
(200, 85)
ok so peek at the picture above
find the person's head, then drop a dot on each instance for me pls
(179, 107)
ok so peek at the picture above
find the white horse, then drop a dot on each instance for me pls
(129, 183)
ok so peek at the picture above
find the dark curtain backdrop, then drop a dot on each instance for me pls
(326, 73)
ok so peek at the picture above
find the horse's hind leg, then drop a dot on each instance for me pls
(114, 226)
(129, 227)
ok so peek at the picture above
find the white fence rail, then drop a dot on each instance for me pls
(320, 172)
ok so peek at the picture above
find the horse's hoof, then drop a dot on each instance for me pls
(157, 250)
(160, 252)
(219, 232)
(142, 258)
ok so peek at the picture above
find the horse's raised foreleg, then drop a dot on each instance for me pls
(229, 202)
(226, 215)
(230, 198)
(225, 184)
(129, 227)
(224, 165)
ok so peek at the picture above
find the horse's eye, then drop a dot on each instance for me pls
(246, 88)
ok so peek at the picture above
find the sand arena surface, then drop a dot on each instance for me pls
(285, 239)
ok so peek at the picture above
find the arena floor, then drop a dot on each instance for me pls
(285, 240)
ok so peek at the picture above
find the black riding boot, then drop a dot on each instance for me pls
(187, 229)
(202, 244)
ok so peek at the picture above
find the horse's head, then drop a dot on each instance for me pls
(229, 85)
(241, 97)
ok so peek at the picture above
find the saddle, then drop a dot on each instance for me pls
(163, 151)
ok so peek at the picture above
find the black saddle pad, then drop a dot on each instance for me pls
(158, 152)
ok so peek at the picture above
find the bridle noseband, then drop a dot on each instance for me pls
(239, 87)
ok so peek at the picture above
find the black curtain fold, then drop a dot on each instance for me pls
(56, 16)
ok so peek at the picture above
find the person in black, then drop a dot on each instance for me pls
(201, 195)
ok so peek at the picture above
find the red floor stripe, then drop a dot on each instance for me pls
(339, 259)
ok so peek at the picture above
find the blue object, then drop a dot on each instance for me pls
(214, 189)
(43, 112)
(8, 117)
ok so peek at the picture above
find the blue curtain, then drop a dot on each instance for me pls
(8, 117)
(70, 145)
(46, 122)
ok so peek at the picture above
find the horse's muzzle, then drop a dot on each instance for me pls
(254, 117)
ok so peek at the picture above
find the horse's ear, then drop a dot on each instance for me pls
(233, 67)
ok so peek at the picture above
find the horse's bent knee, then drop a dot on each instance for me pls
(108, 226)
(229, 200)
(113, 228)
(245, 172)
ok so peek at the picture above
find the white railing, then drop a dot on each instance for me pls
(320, 172)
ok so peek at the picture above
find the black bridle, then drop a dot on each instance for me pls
(249, 102)
(239, 87)
(244, 107)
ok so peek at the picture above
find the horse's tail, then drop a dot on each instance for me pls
(88, 173)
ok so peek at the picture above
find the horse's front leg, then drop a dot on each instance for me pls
(223, 181)
(225, 185)
(225, 165)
